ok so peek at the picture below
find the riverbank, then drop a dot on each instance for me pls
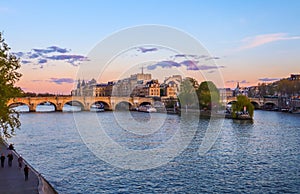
(12, 178)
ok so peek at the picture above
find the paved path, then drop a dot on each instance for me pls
(12, 180)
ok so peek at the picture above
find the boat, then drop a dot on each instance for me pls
(147, 108)
(295, 110)
(244, 116)
(97, 108)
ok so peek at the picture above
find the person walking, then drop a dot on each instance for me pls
(10, 159)
(2, 160)
(20, 161)
(11, 147)
(26, 172)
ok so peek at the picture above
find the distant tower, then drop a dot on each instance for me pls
(78, 84)
(83, 83)
(142, 70)
(237, 89)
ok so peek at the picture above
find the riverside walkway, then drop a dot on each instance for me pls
(12, 179)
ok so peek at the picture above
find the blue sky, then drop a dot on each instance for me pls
(254, 40)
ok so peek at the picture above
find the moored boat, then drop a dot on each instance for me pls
(147, 108)
(97, 108)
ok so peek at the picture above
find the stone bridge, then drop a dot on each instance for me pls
(85, 102)
(258, 102)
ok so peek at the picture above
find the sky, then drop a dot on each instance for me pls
(241, 41)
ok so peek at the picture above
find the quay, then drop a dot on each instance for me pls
(12, 179)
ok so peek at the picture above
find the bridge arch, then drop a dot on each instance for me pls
(144, 103)
(106, 105)
(255, 104)
(17, 104)
(47, 102)
(123, 105)
(231, 102)
(74, 103)
(269, 106)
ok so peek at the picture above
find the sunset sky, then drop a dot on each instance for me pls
(245, 41)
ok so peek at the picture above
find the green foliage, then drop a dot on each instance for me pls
(283, 87)
(288, 87)
(187, 95)
(9, 64)
(242, 101)
(208, 95)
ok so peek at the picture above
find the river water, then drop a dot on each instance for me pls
(258, 157)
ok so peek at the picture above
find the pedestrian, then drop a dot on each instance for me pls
(10, 159)
(20, 161)
(2, 160)
(26, 172)
(11, 147)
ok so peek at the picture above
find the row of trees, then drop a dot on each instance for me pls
(203, 96)
(284, 87)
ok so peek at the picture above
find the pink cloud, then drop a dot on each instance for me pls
(255, 41)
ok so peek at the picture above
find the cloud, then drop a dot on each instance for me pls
(212, 58)
(37, 80)
(209, 67)
(58, 49)
(189, 64)
(41, 61)
(67, 57)
(60, 81)
(51, 49)
(25, 62)
(33, 55)
(238, 81)
(255, 41)
(189, 56)
(53, 53)
(164, 64)
(145, 50)
(72, 59)
(244, 82)
(231, 81)
(19, 54)
(195, 57)
(268, 79)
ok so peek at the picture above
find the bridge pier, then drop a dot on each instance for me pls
(86, 107)
(32, 108)
(59, 107)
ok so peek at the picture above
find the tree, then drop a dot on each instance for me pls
(242, 101)
(208, 95)
(187, 95)
(9, 64)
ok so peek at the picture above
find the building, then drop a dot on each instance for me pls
(174, 79)
(137, 85)
(153, 88)
(224, 94)
(128, 86)
(240, 90)
(295, 77)
(169, 90)
(91, 88)
(150, 89)
(103, 89)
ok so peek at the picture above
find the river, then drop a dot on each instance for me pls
(71, 153)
